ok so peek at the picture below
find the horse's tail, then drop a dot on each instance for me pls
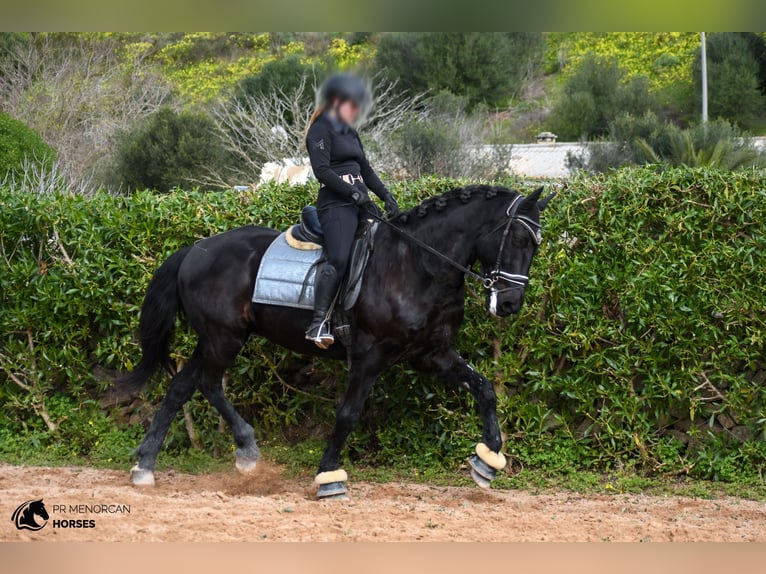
(162, 304)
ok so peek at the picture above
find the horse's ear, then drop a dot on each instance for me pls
(543, 203)
(535, 195)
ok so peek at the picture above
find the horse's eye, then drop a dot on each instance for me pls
(516, 242)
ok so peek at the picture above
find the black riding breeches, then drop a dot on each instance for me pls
(339, 223)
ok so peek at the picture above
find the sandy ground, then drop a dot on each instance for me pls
(230, 507)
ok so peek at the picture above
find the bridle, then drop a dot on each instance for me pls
(513, 281)
(496, 275)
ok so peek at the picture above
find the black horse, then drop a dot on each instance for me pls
(410, 308)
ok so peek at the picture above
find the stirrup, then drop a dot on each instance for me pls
(321, 335)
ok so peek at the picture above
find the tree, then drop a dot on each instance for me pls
(482, 67)
(399, 58)
(734, 89)
(757, 44)
(9, 41)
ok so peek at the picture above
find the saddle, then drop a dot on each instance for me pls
(287, 272)
(308, 234)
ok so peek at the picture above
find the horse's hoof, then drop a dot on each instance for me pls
(141, 477)
(481, 472)
(246, 465)
(480, 480)
(332, 490)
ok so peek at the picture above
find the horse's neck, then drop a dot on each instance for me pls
(456, 232)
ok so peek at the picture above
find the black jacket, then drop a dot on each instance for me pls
(335, 150)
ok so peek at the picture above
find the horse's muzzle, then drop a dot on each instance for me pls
(506, 303)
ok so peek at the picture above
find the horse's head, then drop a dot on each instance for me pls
(24, 515)
(38, 508)
(506, 253)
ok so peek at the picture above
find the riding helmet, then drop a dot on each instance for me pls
(345, 87)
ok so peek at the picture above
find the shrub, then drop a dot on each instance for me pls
(647, 139)
(665, 58)
(20, 144)
(717, 144)
(734, 90)
(644, 328)
(168, 150)
(594, 96)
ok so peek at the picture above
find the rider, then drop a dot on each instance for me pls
(341, 167)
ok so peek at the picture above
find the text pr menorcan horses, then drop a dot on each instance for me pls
(409, 310)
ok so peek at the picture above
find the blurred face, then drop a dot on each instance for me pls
(348, 111)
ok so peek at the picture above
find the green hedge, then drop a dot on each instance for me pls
(641, 343)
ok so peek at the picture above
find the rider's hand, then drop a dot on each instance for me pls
(392, 208)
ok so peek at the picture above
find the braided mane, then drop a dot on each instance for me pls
(440, 203)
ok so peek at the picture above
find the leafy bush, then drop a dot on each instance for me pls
(20, 144)
(168, 150)
(734, 88)
(594, 96)
(641, 344)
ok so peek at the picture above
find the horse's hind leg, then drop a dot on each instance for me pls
(181, 390)
(217, 359)
(247, 453)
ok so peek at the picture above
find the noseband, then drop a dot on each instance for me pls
(512, 281)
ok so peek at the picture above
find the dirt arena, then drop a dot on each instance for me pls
(229, 507)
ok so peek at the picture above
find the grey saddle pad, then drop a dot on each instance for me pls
(286, 276)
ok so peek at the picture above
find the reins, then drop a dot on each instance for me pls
(431, 250)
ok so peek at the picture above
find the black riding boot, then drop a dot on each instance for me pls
(326, 288)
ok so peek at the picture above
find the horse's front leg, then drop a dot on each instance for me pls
(364, 370)
(452, 368)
